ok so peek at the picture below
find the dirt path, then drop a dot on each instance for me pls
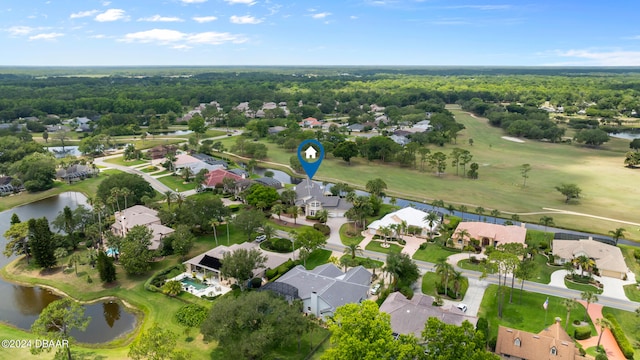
(608, 341)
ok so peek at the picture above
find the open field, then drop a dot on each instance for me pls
(607, 186)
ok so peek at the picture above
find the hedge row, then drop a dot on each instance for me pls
(324, 229)
(273, 274)
(582, 332)
(156, 281)
(622, 340)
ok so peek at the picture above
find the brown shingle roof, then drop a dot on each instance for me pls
(526, 345)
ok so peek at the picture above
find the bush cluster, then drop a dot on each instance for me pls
(158, 279)
(277, 245)
(324, 229)
(191, 315)
(582, 332)
(273, 274)
(621, 339)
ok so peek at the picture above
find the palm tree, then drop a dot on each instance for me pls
(589, 297)
(451, 209)
(495, 213)
(186, 173)
(268, 231)
(585, 263)
(386, 231)
(569, 304)
(214, 222)
(353, 249)
(461, 234)
(463, 209)
(169, 196)
(115, 192)
(438, 203)
(278, 209)
(617, 234)
(323, 216)
(125, 194)
(431, 219)
(457, 278)
(403, 227)
(546, 221)
(604, 324)
(172, 288)
(444, 269)
(294, 211)
(480, 211)
(179, 199)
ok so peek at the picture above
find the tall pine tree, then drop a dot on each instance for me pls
(40, 242)
(105, 267)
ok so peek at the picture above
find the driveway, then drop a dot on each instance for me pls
(613, 288)
(474, 295)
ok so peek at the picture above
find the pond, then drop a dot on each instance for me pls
(626, 135)
(68, 151)
(281, 176)
(22, 305)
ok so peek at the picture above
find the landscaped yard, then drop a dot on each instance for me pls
(543, 271)
(317, 258)
(630, 324)
(121, 161)
(632, 292)
(582, 287)
(347, 240)
(366, 262)
(430, 279)
(376, 246)
(434, 253)
(536, 237)
(176, 182)
(526, 312)
(468, 265)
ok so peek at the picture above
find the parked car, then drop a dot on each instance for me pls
(261, 238)
(375, 289)
(462, 307)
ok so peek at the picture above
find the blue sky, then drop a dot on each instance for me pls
(327, 32)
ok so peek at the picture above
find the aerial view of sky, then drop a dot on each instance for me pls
(323, 32)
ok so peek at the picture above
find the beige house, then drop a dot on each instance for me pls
(142, 216)
(488, 234)
(608, 258)
(552, 343)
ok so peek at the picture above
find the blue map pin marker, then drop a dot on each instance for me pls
(310, 154)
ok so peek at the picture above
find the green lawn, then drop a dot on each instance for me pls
(366, 262)
(582, 287)
(599, 172)
(632, 263)
(317, 258)
(434, 253)
(348, 240)
(542, 270)
(430, 279)
(150, 169)
(630, 324)
(536, 237)
(468, 265)
(527, 315)
(632, 292)
(375, 246)
(121, 161)
(176, 182)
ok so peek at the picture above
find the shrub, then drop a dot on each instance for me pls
(309, 217)
(277, 245)
(412, 229)
(582, 351)
(582, 332)
(89, 280)
(601, 356)
(492, 343)
(407, 291)
(543, 245)
(324, 229)
(191, 315)
(255, 283)
(423, 246)
(483, 326)
(621, 339)
(636, 254)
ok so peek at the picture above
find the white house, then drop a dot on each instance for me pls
(310, 153)
(408, 215)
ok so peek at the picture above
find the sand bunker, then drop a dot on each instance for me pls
(509, 138)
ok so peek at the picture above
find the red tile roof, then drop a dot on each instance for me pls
(215, 177)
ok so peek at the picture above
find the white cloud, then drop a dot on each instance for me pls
(162, 36)
(20, 30)
(245, 2)
(98, 36)
(321, 15)
(193, 1)
(602, 58)
(158, 18)
(353, 17)
(45, 36)
(181, 47)
(204, 19)
(106, 3)
(180, 40)
(247, 19)
(111, 15)
(82, 14)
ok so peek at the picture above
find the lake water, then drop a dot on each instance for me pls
(21, 305)
(626, 135)
(68, 150)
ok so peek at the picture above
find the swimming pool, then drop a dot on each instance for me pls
(193, 283)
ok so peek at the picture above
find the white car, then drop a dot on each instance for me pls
(462, 307)
(261, 238)
(375, 289)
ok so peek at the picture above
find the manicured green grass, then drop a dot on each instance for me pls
(630, 260)
(536, 237)
(375, 246)
(526, 312)
(630, 324)
(599, 172)
(348, 240)
(317, 258)
(543, 271)
(150, 169)
(176, 182)
(430, 279)
(582, 287)
(121, 161)
(434, 253)
(289, 227)
(235, 237)
(366, 262)
(468, 265)
(632, 292)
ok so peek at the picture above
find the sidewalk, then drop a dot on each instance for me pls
(608, 341)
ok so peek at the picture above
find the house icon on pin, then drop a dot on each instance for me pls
(310, 153)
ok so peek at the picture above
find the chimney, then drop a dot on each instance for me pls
(124, 226)
(314, 303)
(558, 319)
